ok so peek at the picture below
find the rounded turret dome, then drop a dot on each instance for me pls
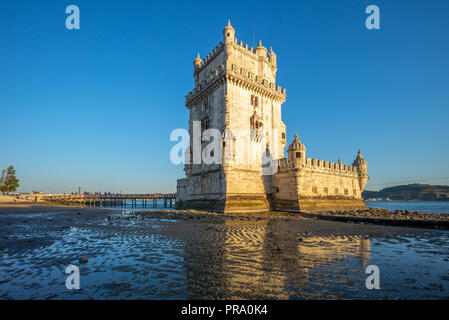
(296, 145)
(228, 33)
(359, 160)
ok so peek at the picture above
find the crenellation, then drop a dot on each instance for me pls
(244, 74)
(326, 166)
(203, 63)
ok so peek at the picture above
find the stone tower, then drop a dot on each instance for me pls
(236, 93)
(237, 105)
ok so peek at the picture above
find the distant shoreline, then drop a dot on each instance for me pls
(410, 192)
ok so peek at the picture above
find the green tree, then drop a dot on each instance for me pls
(9, 182)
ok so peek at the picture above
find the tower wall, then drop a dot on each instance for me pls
(313, 184)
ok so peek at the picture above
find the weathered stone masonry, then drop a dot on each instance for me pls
(235, 92)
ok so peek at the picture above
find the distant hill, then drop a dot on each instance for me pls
(424, 192)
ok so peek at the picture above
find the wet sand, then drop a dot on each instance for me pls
(370, 215)
(191, 254)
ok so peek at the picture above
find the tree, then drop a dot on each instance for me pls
(9, 182)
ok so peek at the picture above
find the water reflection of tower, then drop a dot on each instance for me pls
(263, 259)
(327, 253)
(364, 252)
(288, 263)
(281, 257)
(330, 248)
(249, 267)
(203, 261)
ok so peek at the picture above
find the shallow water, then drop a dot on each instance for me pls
(134, 256)
(147, 205)
(421, 206)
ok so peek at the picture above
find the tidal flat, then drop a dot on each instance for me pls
(129, 254)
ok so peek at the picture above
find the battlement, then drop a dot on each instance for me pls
(203, 63)
(241, 77)
(328, 165)
(316, 164)
(256, 79)
(230, 50)
(212, 77)
(258, 53)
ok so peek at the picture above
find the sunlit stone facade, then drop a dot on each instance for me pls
(236, 93)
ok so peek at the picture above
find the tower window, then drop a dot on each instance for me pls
(204, 124)
(254, 101)
(283, 135)
(298, 154)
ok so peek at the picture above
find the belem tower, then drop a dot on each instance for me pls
(236, 93)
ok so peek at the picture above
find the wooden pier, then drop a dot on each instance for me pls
(114, 200)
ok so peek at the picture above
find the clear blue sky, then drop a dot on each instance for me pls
(95, 107)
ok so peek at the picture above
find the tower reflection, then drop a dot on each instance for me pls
(268, 259)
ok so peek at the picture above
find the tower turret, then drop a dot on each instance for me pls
(296, 152)
(197, 62)
(272, 57)
(261, 51)
(362, 170)
(228, 34)
(196, 66)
